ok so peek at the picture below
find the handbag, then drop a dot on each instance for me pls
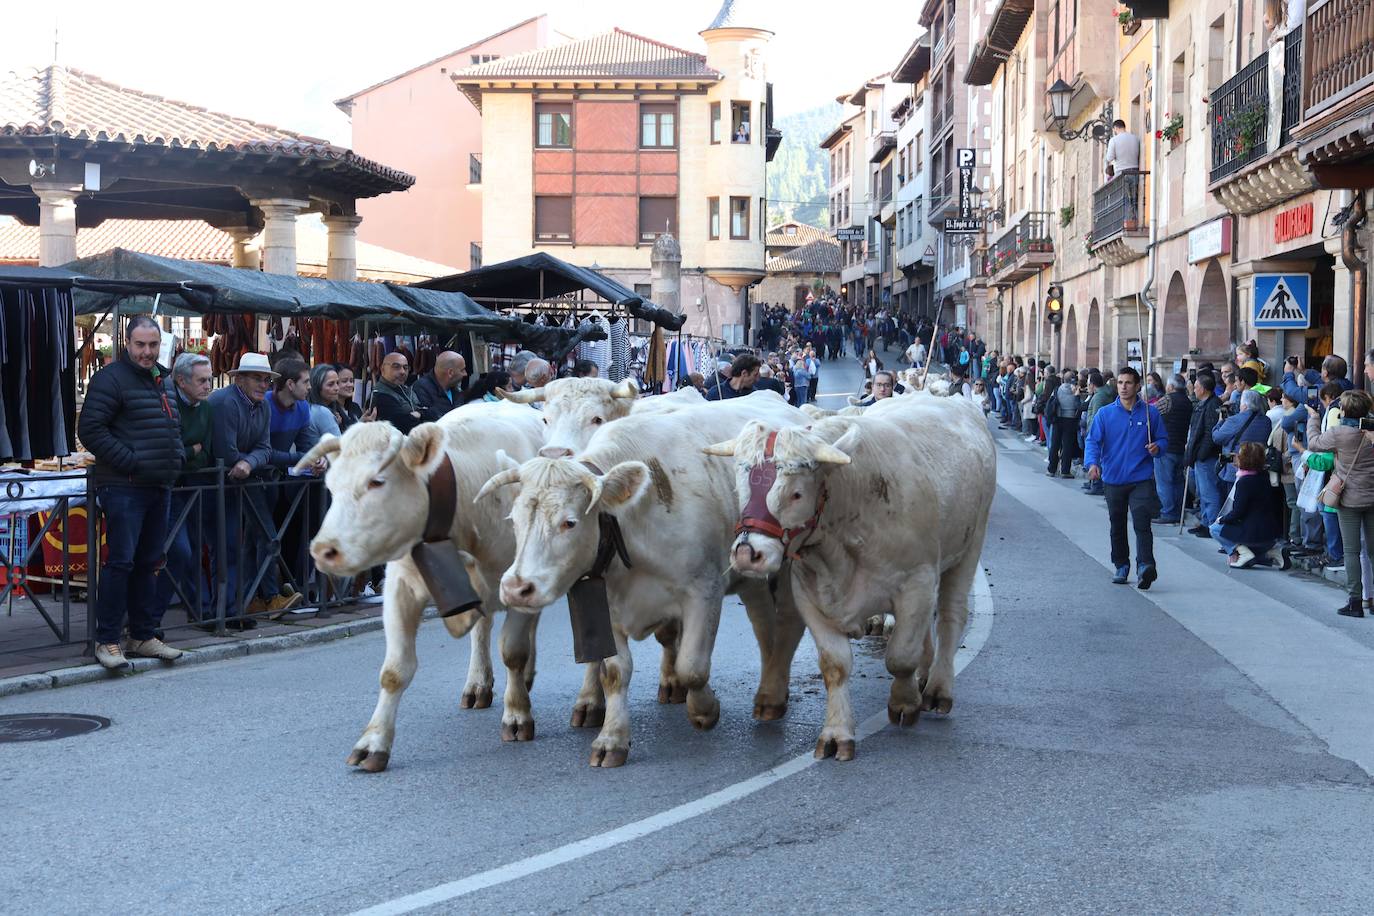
(1225, 457)
(1331, 493)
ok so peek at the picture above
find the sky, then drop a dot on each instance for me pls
(285, 62)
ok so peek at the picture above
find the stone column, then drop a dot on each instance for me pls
(56, 223)
(242, 256)
(343, 247)
(279, 233)
(665, 273)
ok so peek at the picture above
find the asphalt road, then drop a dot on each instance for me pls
(1109, 750)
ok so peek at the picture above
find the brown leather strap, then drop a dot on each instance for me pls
(443, 502)
(612, 542)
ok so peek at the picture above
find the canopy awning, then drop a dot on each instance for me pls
(540, 277)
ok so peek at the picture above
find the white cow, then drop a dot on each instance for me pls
(677, 512)
(378, 484)
(884, 513)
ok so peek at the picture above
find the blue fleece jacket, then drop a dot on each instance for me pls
(1117, 439)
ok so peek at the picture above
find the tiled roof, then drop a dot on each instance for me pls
(61, 102)
(616, 53)
(821, 257)
(794, 235)
(195, 240)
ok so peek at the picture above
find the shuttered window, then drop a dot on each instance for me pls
(553, 220)
(657, 215)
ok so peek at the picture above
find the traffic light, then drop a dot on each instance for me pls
(1054, 305)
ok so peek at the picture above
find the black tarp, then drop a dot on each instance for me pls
(542, 276)
(133, 281)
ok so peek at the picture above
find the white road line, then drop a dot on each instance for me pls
(980, 625)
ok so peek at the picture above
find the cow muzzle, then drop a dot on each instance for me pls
(519, 593)
(756, 556)
(330, 558)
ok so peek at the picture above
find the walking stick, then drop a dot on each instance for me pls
(1183, 503)
(925, 370)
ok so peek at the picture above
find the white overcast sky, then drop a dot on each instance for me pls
(285, 62)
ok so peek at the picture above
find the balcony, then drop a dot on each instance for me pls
(937, 119)
(474, 170)
(871, 266)
(943, 201)
(1022, 251)
(884, 142)
(1254, 164)
(1337, 120)
(1120, 219)
(978, 268)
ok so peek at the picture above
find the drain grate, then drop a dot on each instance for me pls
(48, 726)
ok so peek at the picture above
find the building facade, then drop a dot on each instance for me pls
(592, 168)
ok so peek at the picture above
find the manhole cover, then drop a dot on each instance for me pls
(48, 726)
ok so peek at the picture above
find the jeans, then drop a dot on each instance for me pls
(1063, 444)
(1290, 493)
(244, 531)
(1334, 542)
(1355, 522)
(1229, 545)
(1169, 480)
(183, 557)
(135, 529)
(1208, 490)
(1143, 504)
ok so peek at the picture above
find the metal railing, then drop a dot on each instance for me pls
(1292, 84)
(1340, 52)
(1118, 205)
(474, 168)
(937, 120)
(1238, 117)
(1031, 234)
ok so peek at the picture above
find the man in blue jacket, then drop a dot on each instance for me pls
(1123, 441)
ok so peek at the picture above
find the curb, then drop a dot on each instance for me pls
(85, 674)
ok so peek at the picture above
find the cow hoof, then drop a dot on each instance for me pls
(706, 720)
(475, 698)
(839, 748)
(675, 694)
(369, 761)
(903, 715)
(517, 731)
(937, 703)
(609, 757)
(588, 716)
(769, 712)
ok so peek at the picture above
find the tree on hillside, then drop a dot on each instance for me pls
(798, 176)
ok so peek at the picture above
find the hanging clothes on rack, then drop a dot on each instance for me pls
(620, 349)
(598, 351)
(38, 372)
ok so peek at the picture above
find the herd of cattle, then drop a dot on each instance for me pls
(822, 521)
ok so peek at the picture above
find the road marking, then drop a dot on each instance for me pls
(980, 625)
(1313, 671)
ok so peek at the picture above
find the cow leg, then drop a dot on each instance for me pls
(670, 689)
(906, 646)
(938, 694)
(589, 710)
(517, 645)
(837, 660)
(612, 744)
(700, 620)
(527, 673)
(477, 691)
(778, 629)
(401, 611)
(927, 657)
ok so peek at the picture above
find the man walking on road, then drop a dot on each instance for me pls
(1125, 437)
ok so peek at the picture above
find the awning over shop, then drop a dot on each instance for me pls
(541, 277)
(134, 283)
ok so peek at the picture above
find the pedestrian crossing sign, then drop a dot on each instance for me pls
(1283, 301)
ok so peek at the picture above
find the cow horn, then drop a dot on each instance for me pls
(393, 449)
(827, 454)
(326, 446)
(498, 480)
(627, 388)
(724, 449)
(593, 485)
(523, 396)
(853, 401)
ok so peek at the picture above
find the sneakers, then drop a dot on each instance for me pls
(1146, 575)
(1243, 558)
(1122, 574)
(154, 648)
(1201, 532)
(111, 656)
(283, 604)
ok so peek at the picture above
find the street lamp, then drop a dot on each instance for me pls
(1099, 129)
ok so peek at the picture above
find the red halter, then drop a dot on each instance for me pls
(758, 519)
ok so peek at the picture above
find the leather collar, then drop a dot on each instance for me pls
(611, 542)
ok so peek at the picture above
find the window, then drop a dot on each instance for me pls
(474, 256)
(657, 215)
(919, 207)
(714, 204)
(484, 58)
(658, 125)
(739, 122)
(901, 168)
(739, 217)
(554, 126)
(553, 220)
(920, 145)
(763, 217)
(901, 227)
(715, 122)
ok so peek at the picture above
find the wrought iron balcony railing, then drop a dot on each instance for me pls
(1119, 205)
(1023, 250)
(1292, 84)
(1238, 117)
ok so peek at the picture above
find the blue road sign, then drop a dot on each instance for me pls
(1283, 301)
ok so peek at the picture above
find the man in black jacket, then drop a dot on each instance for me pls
(395, 401)
(1201, 452)
(128, 423)
(1176, 410)
(438, 390)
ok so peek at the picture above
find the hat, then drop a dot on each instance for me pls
(253, 362)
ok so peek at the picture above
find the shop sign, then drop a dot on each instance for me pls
(1293, 223)
(850, 234)
(1209, 240)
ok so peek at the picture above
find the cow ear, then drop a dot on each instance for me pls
(424, 448)
(623, 484)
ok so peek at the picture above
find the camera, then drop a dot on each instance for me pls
(1367, 424)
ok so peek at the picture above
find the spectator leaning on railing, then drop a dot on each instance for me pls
(189, 388)
(129, 424)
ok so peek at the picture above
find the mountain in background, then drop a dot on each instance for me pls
(798, 174)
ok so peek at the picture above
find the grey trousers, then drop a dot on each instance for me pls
(1353, 523)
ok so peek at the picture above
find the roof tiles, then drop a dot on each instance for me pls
(821, 257)
(616, 53)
